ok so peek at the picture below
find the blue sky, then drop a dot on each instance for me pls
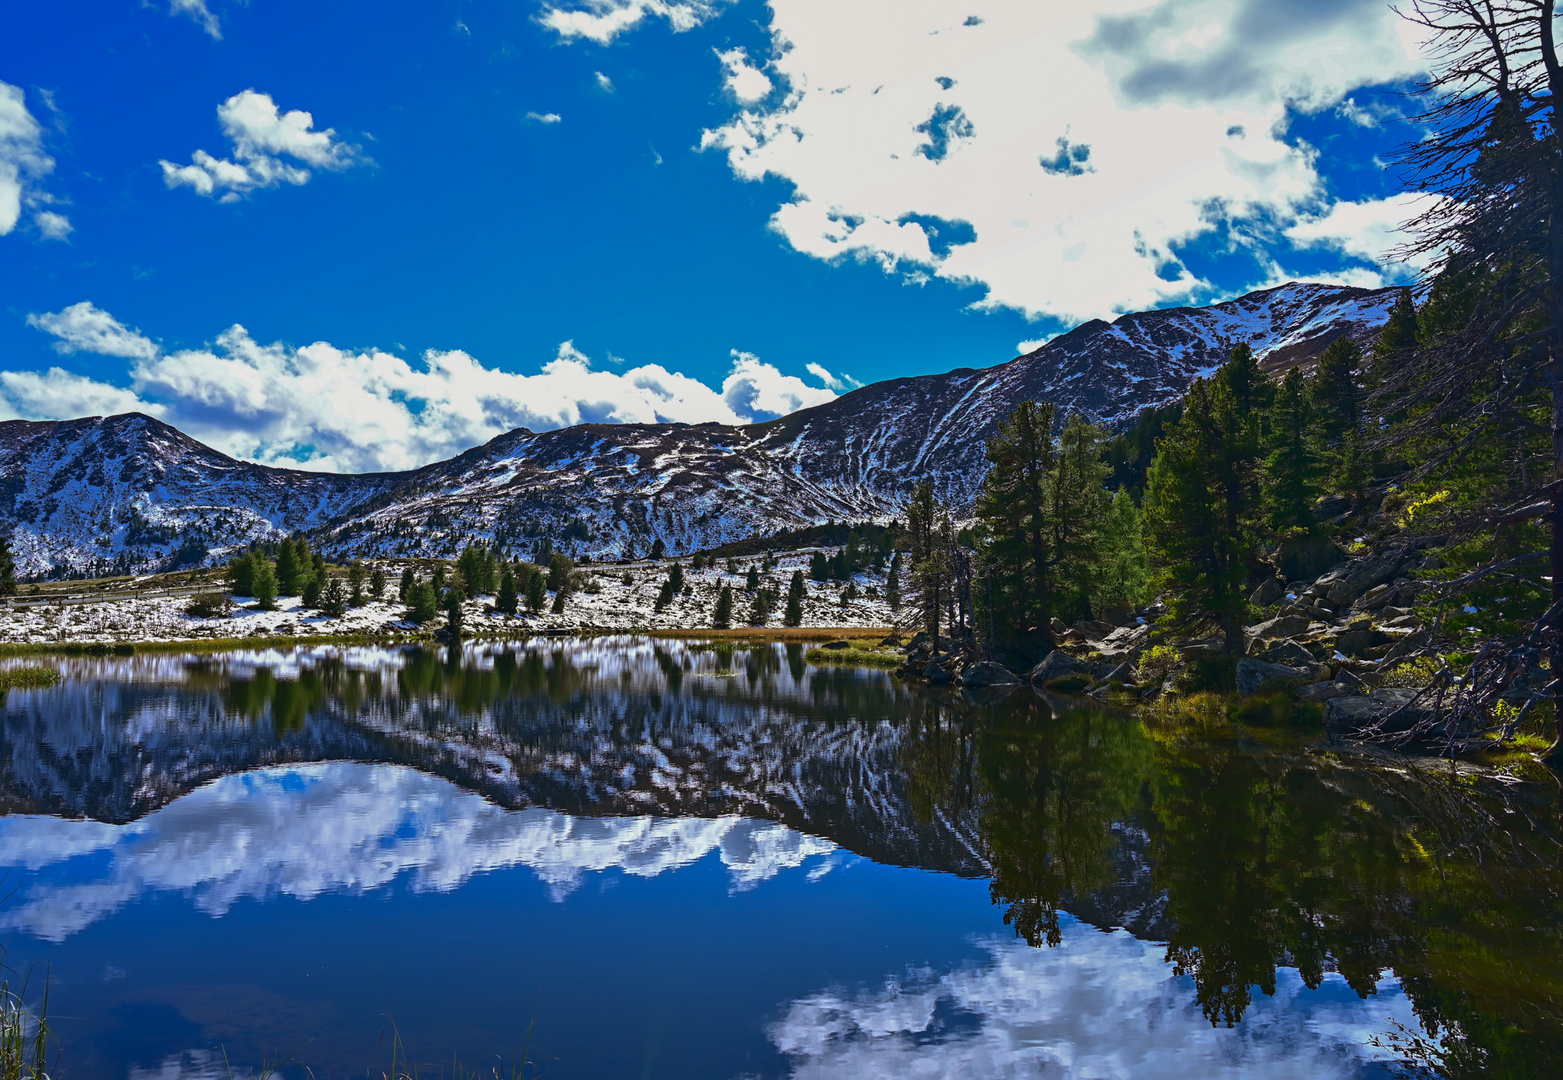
(504, 212)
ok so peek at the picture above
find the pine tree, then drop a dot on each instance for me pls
(893, 583)
(309, 594)
(722, 617)
(377, 584)
(1198, 513)
(761, 606)
(291, 568)
(819, 567)
(453, 611)
(1124, 573)
(558, 608)
(263, 585)
(1334, 389)
(1398, 336)
(752, 579)
(659, 549)
(409, 579)
(241, 573)
(1250, 388)
(7, 568)
(1292, 467)
(796, 590)
(422, 602)
(559, 567)
(356, 577)
(536, 591)
(676, 579)
(507, 600)
(333, 598)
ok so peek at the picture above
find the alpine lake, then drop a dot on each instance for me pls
(631, 857)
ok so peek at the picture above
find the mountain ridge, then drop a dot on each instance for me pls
(131, 493)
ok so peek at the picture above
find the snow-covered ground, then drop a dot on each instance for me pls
(614, 597)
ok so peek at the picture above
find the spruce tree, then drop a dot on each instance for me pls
(1198, 513)
(333, 598)
(356, 578)
(1250, 388)
(558, 608)
(422, 602)
(1334, 389)
(7, 568)
(241, 573)
(659, 549)
(752, 579)
(377, 584)
(453, 611)
(291, 569)
(507, 599)
(819, 567)
(309, 593)
(536, 591)
(409, 579)
(1124, 571)
(263, 585)
(1292, 466)
(1398, 336)
(722, 617)
(893, 583)
(796, 590)
(559, 567)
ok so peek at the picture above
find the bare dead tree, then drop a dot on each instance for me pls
(1491, 233)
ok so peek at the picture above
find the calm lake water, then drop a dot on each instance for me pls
(670, 861)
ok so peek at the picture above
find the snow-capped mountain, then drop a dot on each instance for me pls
(131, 492)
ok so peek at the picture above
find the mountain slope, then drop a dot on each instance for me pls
(132, 493)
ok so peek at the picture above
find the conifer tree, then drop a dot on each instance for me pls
(1250, 388)
(722, 617)
(356, 578)
(559, 567)
(377, 584)
(1198, 513)
(263, 585)
(761, 606)
(309, 594)
(7, 568)
(409, 579)
(1292, 466)
(1124, 571)
(453, 611)
(333, 598)
(291, 568)
(1334, 389)
(241, 573)
(422, 602)
(1398, 336)
(796, 590)
(558, 608)
(893, 583)
(752, 579)
(507, 598)
(659, 549)
(536, 591)
(819, 566)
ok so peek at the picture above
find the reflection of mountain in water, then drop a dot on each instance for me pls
(588, 727)
(1249, 859)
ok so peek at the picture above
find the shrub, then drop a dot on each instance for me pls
(1414, 673)
(210, 605)
(1156, 663)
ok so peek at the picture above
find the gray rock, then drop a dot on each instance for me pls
(1118, 616)
(988, 673)
(1353, 640)
(1407, 645)
(1056, 666)
(937, 676)
(1353, 715)
(1256, 675)
(1123, 673)
(1282, 626)
(1094, 629)
(1287, 651)
(1270, 590)
(1324, 691)
(1304, 558)
(1345, 584)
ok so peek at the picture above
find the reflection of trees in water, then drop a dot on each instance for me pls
(1264, 859)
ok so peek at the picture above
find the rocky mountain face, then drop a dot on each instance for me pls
(131, 493)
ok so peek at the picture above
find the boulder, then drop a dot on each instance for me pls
(1256, 675)
(1056, 666)
(1123, 673)
(1332, 506)
(1282, 626)
(1304, 558)
(1118, 616)
(1094, 629)
(1407, 645)
(1057, 625)
(1343, 585)
(988, 673)
(937, 675)
(1355, 714)
(1353, 640)
(1286, 651)
(1324, 691)
(1270, 591)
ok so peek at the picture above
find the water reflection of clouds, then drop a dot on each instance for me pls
(341, 827)
(1101, 1005)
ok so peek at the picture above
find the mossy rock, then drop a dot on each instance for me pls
(1070, 684)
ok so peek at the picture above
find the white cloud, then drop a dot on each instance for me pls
(258, 835)
(544, 118)
(744, 81)
(1371, 230)
(200, 13)
(1024, 347)
(603, 20)
(84, 327)
(820, 372)
(260, 135)
(1098, 1005)
(23, 165)
(56, 393)
(604, 83)
(334, 409)
(900, 114)
(53, 226)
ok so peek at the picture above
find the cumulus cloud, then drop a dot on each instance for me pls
(1372, 230)
(258, 835)
(333, 409)
(1100, 1005)
(200, 13)
(262, 136)
(544, 118)
(744, 81)
(603, 20)
(23, 165)
(56, 393)
(901, 112)
(604, 83)
(85, 327)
